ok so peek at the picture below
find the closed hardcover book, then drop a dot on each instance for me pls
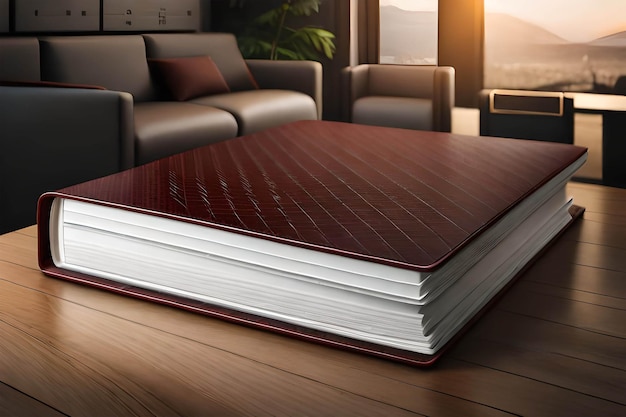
(380, 240)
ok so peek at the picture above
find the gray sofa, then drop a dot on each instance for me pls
(74, 108)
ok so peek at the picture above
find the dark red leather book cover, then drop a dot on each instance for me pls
(410, 199)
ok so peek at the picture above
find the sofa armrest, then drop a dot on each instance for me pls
(444, 97)
(56, 137)
(302, 76)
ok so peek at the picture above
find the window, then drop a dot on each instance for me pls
(408, 32)
(560, 45)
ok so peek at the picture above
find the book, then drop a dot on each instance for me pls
(381, 240)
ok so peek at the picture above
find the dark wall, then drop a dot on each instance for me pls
(334, 16)
(229, 16)
(461, 38)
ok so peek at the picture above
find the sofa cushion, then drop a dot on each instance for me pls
(221, 47)
(402, 112)
(167, 128)
(260, 109)
(189, 77)
(19, 59)
(114, 62)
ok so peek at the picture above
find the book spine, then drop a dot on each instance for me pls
(44, 206)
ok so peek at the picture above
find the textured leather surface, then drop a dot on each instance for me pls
(166, 128)
(221, 47)
(56, 149)
(19, 59)
(256, 110)
(396, 196)
(114, 62)
(403, 112)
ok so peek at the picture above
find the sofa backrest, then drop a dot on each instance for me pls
(115, 62)
(19, 59)
(221, 47)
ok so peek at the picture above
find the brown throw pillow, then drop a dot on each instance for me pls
(190, 77)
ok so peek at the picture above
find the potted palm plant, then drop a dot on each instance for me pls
(269, 35)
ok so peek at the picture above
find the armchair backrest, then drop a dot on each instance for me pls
(401, 81)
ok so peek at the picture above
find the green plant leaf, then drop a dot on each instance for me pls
(287, 53)
(268, 37)
(304, 7)
(319, 39)
(270, 18)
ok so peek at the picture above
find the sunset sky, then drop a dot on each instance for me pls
(421, 5)
(573, 20)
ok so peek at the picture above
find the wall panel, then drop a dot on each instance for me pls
(150, 15)
(57, 15)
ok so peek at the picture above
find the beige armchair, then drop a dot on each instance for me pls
(407, 96)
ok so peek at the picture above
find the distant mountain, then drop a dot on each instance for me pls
(408, 34)
(504, 29)
(509, 39)
(522, 55)
(617, 39)
(407, 17)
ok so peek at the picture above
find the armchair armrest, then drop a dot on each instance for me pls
(302, 76)
(354, 85)
(56, 137)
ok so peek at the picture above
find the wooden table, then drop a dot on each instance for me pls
(554, 345)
